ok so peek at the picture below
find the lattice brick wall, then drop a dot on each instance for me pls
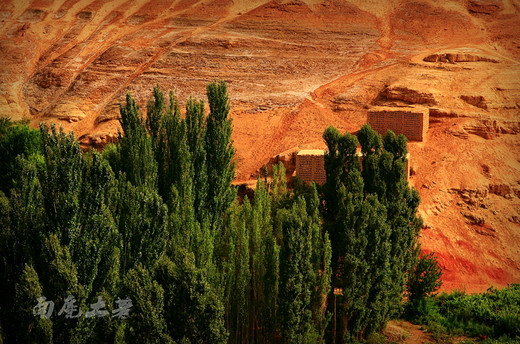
(412, 124)
(310, 166)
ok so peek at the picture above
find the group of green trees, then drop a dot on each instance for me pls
(370, 213)
(155, 220)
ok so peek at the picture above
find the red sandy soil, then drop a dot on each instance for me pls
(294, 68)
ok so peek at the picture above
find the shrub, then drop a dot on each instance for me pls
(494, 314)
(15, 138)
(425, 279)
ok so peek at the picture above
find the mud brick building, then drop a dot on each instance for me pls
(310, 165)
(411, 122)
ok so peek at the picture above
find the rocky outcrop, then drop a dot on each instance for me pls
(479, 222)
(503, 190)
(489, 128)
(486, 171)
(514, 219)
(485, 130)
(438, 205)
(457, 57)
(100, 50)
(510, 127)
(459, 132)
(48, 78)
(483, 7)
(478, 101)
(473, 218)
(68, 112)
(404, 95)
(109, 113)
(97, 140)
(471, 198)
(343, 102)
(442, 113)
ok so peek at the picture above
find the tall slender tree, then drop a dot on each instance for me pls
(219, 153)
(147, 323)
(136, 148)
(28, 327)
(297, 277)
(196, 136)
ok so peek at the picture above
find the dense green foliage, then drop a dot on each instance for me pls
(425, 278)
(494, 314)
(154, 220)
(15, 139)
(370, 213)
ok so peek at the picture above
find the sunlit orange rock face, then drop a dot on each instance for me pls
(294, 68)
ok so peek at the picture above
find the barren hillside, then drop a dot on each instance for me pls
(294, 68)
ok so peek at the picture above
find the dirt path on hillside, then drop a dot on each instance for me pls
(404, 332)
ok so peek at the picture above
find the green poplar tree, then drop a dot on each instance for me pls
(196, 136)
(59, 278)
(146, 322)
(162, 125)
(98, 235)
(61, 180)
(260, 228)
(15, 139)
(339, 159)
(425, 278)
(278, 187)
(142, 223)
(271, 287)
(371, 216)
(365, 269)
(29, 327)
(194, 310)
(297, 277)
(219, 153)
(155, 110)
(168, 150)
(136, 147)
(233, 259)
(321, 262)
(384, 175)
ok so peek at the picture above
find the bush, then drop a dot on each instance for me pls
(423, 310)
(15, 138)
(425, 279)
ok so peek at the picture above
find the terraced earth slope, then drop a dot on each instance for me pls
(294, 68)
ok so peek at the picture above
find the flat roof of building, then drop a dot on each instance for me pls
(322, 152)
(312, 152)
(414, 109)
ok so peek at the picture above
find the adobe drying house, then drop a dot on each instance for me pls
(411, 122)
(310, 165)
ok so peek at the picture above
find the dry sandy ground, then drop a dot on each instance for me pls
(293, 69)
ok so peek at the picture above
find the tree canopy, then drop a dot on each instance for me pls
(147, 241)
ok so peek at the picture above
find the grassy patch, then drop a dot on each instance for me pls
(491, 317)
